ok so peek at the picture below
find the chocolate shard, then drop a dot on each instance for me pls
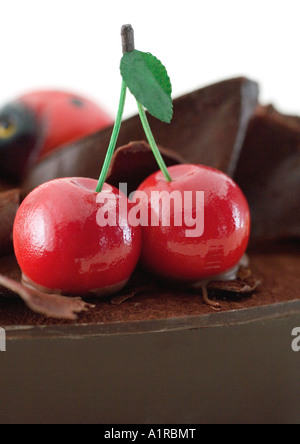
(269, 174)
(9, 204)
(208, 127)
(210, 124)
(127, 162)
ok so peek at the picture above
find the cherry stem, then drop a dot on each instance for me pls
(152, 143)
(128, 45)
(113, 140)
(127, 34)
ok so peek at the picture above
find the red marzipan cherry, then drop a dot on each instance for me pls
(168, 252)
(60, 246)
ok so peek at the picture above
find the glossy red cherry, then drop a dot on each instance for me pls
(168, 252)
(61, 246)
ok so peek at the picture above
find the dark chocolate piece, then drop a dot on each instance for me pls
(269, 174)
(9, 203)
(208, 127)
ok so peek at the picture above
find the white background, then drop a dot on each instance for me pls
(75, 45)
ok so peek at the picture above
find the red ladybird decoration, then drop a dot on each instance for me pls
(39, 122)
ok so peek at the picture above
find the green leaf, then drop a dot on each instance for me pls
(148, 80)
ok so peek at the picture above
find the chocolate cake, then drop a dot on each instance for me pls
(222, 126)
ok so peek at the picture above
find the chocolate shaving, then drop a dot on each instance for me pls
(245, 283)
(208, 301)
(141, 283)
(120, 299)
(135, 290)
(208, 127)
(269, 174)
(9, 204)
(49, 305)
(134, 162)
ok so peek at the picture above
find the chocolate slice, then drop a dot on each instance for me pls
(209, 127)
(9, 203)
(269, 174)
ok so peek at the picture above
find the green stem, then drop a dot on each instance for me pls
(152, 143)
(113, 140)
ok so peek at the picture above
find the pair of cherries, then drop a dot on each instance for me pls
(61, 247)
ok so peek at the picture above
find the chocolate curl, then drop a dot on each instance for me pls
(245, 283)
(50, 305)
